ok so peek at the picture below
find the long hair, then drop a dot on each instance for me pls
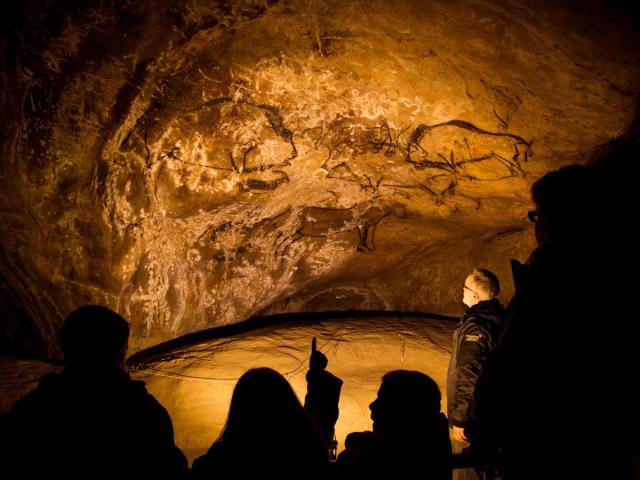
(267, 421)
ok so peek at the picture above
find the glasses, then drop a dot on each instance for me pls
(533, 216)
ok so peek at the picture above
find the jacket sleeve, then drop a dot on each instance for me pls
(472, 352)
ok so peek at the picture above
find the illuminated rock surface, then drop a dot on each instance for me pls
(195, 382)
(191, 164)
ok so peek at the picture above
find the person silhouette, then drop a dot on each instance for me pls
(92, 419)
(539, 403)
(268, 434)
(323, 396)
(410, 437)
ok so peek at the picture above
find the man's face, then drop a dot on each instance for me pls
(469, 295)
(540, 225)
(380, 411)
(376, 411)
(541, 230)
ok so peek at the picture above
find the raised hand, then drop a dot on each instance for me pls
(318, 360)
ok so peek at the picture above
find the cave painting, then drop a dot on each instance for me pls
(440, 156)
(253, 148)
(231, 238)
(458, 147)
(245, 145)
(251, 143)
(324, 222)
(244, 136)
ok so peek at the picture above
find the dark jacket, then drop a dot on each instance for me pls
(88, 424)
(475, 336)
(224, 462)
(555, 397)
(321, 400)
(421, 452)
(282, 459)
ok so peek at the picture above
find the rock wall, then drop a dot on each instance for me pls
(191, 164)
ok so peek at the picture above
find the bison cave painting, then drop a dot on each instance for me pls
(458, 147)
(252, 149)
(239, 142)
(440, 156)
(240, 137)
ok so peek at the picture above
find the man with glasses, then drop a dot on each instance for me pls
(475, 336)
(556, 398)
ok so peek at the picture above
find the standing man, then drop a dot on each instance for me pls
(476, 335)
(556, 398)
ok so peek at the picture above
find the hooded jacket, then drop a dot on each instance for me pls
(475, 336)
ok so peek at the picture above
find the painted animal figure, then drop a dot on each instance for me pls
(466, 151)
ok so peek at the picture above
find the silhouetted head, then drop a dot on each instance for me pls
(480, 285)
(406, 402)
(94, 336)
(564, 200)
(264, 408)
(268, 433)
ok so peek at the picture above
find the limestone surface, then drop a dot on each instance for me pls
(193, 164)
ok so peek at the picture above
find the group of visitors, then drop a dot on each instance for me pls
(93, 420)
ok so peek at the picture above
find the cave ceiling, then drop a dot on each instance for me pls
(192, 164)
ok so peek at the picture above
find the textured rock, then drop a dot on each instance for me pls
(191, 164)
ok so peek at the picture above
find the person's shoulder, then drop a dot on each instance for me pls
(218, 449)
(139, 387)
(48, 387)
(486, 311)
(495, 310)
(139, 390)
(38, 403)
(359, 440)
(213, 461)
(202, 463)
(49, 384)
(138, 394)
(472, 322)
(477, 330)
(358, 448)
(555, 255)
